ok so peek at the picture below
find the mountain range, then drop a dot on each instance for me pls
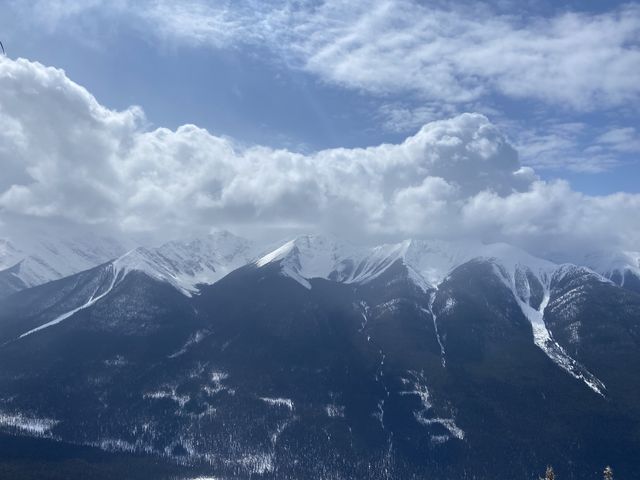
(315, 358)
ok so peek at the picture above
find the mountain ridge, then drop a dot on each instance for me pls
(319, 358)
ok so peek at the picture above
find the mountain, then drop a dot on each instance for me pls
(621, 267)
(317, 256)
(187, 264)
(27, 260)
(182, 265)
(323, 359)
(530, 279)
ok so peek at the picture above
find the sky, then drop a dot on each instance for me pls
(507, 121)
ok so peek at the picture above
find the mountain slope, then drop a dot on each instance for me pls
(181, 265)
(31, 260)
(413, 360)
(621, 267)
(187, 264)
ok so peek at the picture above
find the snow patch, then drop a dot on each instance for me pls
(541, 335)
(424, 415)
(28, 424)
(192, 340)
(278, 402)
(258, 463)
(448, 423)
(204, 478)
(169, 393)
(217, 378)
(90, 302)
(431, 311)
(335, 411)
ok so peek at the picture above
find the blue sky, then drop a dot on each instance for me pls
(248, 91)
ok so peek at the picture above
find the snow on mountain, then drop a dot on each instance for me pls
(428, 263)
(27, 260)
(9, 254)
(182, 264)
(532, 291)
(617, 266)
(186, 264)
(529, 279)
(30, 260)
(606, 262)
(314, 256)
(99, 290)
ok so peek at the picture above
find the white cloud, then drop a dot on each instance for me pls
(458, 55)
(398, 117)
(623, 139)
(452, 54)
(59, 144)
(67, 158)
(422, 62)
(575, 146)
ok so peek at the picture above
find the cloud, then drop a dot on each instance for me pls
(450, 54)
(67, 158)
(398, 117)
(417, 62)
(623, 139)
(458, 55)
(576, 146)
(58, 144)
(93, 164)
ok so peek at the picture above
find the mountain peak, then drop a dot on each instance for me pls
(429, 261)
(36, 258)
(189, 263)
(311, 256)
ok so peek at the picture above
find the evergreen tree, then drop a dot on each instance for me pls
(549, 475)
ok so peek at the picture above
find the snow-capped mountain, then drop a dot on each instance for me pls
(27, 260)
(621, 267)
(187, 264)
(316, 256)
(183, 265)
(30, 260)
(321, 359)
(429, 262)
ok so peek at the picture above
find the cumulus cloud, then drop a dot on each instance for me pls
(64, 156)
(59, 144)
(416, 61)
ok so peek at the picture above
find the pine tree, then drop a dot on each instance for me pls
(549, 475)
(608, 473)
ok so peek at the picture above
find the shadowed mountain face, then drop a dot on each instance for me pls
(10, 282)
(271, 373)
